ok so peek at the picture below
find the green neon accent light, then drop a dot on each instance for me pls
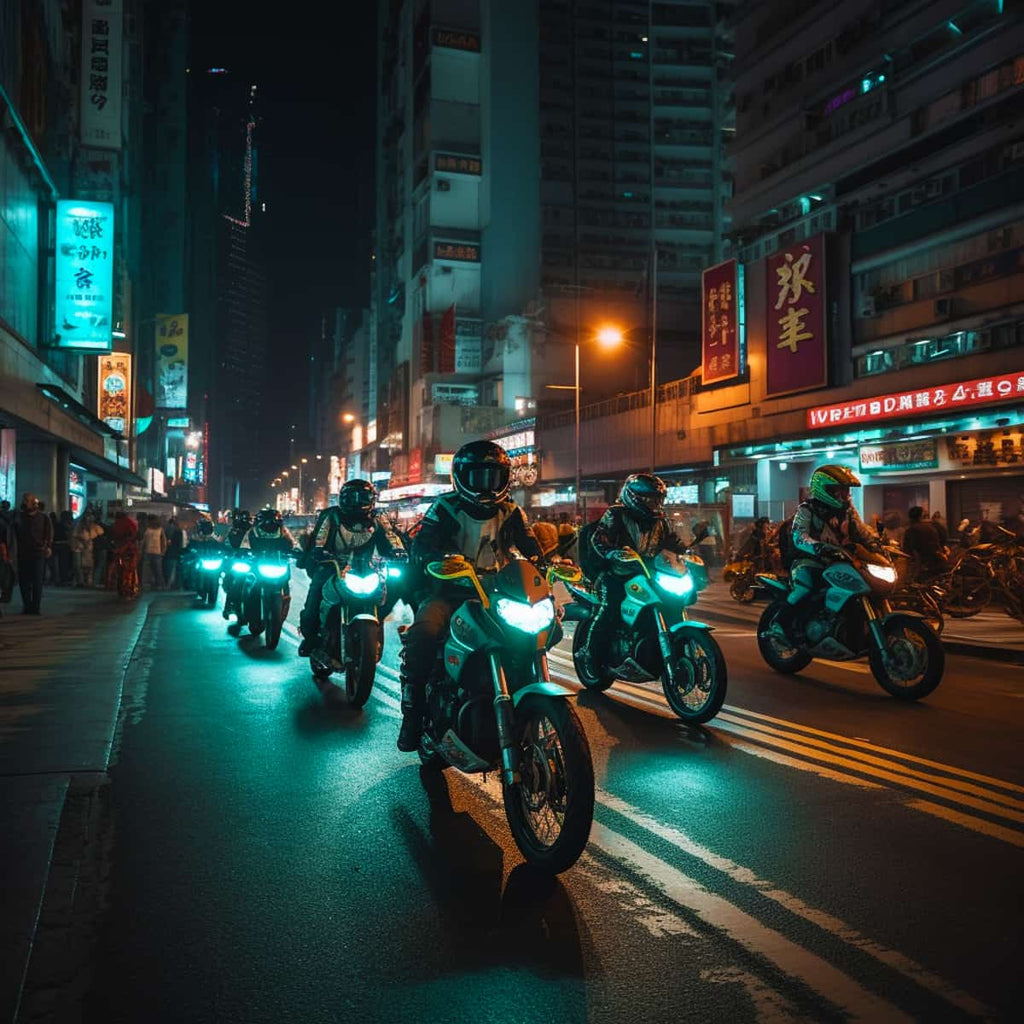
(953, 25)
(805, 204)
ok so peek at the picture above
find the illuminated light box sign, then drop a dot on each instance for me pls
(178, 421)
(84, 276)
(894, 458)
(458, 163)
(984, 390)
(443, 463)
(456, 39)
(114, 396)
(172, 361)
(683, 494)
(720, 356)
(457, 252)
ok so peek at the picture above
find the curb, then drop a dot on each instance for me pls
(964, 647)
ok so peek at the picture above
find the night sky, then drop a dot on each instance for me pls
(315, 68)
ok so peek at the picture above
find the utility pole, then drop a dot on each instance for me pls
(654, 354)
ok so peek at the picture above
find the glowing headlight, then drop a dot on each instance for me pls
(530, 618)
(212, 563)
(394, 572)
(886, 573)
(273, 572)
(239, 566)
(676, 585)
(362, 585)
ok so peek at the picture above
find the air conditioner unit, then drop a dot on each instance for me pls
(866, 307)
(444, 185)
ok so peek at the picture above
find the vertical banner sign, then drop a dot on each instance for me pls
(797, 358)
(101, 73)
(468, 345)
(84, 275)
(114, 393)
(7, 479)
(172, 361)
(424, 328)
(446, 349)
(720, 350)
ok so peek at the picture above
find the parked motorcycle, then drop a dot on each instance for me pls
(851, 616)
(653, 638)
(353, 633)
(266, 596)
(238, 568)
(491, 706)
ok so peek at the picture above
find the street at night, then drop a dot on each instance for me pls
(250, 852)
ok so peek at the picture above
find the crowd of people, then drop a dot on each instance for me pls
(39, 548)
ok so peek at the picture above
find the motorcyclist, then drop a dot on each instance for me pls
(824, 526)
(635, 523)
(241, 523)
(268, 534)
(477, 520)
(349, 531)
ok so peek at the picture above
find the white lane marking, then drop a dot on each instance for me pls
(747, 932)
(834, 926)
(770, 1007)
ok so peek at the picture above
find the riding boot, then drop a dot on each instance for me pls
(412, 717)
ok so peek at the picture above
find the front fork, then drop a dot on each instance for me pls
(665, 644)
(504, 713)
(875, 627)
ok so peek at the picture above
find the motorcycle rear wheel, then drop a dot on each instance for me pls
(591, 679)
(551, 810)
(363, 654)
(918, 658)
(788, 660)
(274, 621)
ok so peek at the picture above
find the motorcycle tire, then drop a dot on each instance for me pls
(274, 621)
(591, 680)
(700, 669)
(969, 590)
(363, 655)
(788, 664)
(568, 769)
(909, 632)
(742, 590)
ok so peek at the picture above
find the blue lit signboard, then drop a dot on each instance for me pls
(84, 275)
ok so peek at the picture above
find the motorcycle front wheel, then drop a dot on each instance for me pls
(914, 659)
(363, 653)
(275, 619)
(551, 809)
(696, 692)
(779, 655)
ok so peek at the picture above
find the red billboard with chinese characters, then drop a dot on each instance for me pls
(946, 398)
(797, 357)
(720, 348)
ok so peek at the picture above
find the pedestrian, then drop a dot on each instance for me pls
(34, 534)
(101, 553)
(940, 525)
(154, 547)
(83, 540)
(922, 542)
(176, 542)
(63, 527)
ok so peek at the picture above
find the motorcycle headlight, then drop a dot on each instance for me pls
(678, 586)
(362, 585)
(394, 572)
(239, 567)
(272, 571)
(212, 563)
(886, 573)
(530, 618)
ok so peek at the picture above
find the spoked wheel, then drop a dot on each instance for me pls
(970, 590)
(551, 809)
(697, 690)
(913, 661)
(362, 657)
(275, 620)
(779, 653)
(592, 677)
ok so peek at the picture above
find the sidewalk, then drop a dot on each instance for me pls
(991, 634)
(60, 690)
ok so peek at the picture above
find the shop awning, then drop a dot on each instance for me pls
(73, 407)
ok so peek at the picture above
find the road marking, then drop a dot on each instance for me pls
(967, 821)
(846, 666)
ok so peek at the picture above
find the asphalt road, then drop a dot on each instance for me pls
(818, 852)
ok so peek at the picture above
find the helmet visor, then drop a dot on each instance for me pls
(356, 499)
(485, 479)
(840, 492)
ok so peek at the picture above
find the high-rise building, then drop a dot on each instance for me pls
(227, 295)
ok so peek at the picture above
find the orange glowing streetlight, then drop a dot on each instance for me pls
(609, 336)
(348, 417)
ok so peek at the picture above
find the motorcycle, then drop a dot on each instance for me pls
(238, 568)
(850, 616)
(650, 642)
(491, 706)
(353, 633)
(266, 596)
(204, 573)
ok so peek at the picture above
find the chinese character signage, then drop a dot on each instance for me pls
(797, 357)
(446, 348)
(894, 458)
(456, 163)
(460, 252)
(468, 345)
(948, 398)
(84, 275)
(115, 390)
(194, 466)
(456, 39)
(101, 74)
(172, 361)
(720, 350)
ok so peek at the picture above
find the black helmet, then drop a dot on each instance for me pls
(240, 518)
(269, 520)
(204, 527)
(481, 472)
(643, 495)
(357, 496)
